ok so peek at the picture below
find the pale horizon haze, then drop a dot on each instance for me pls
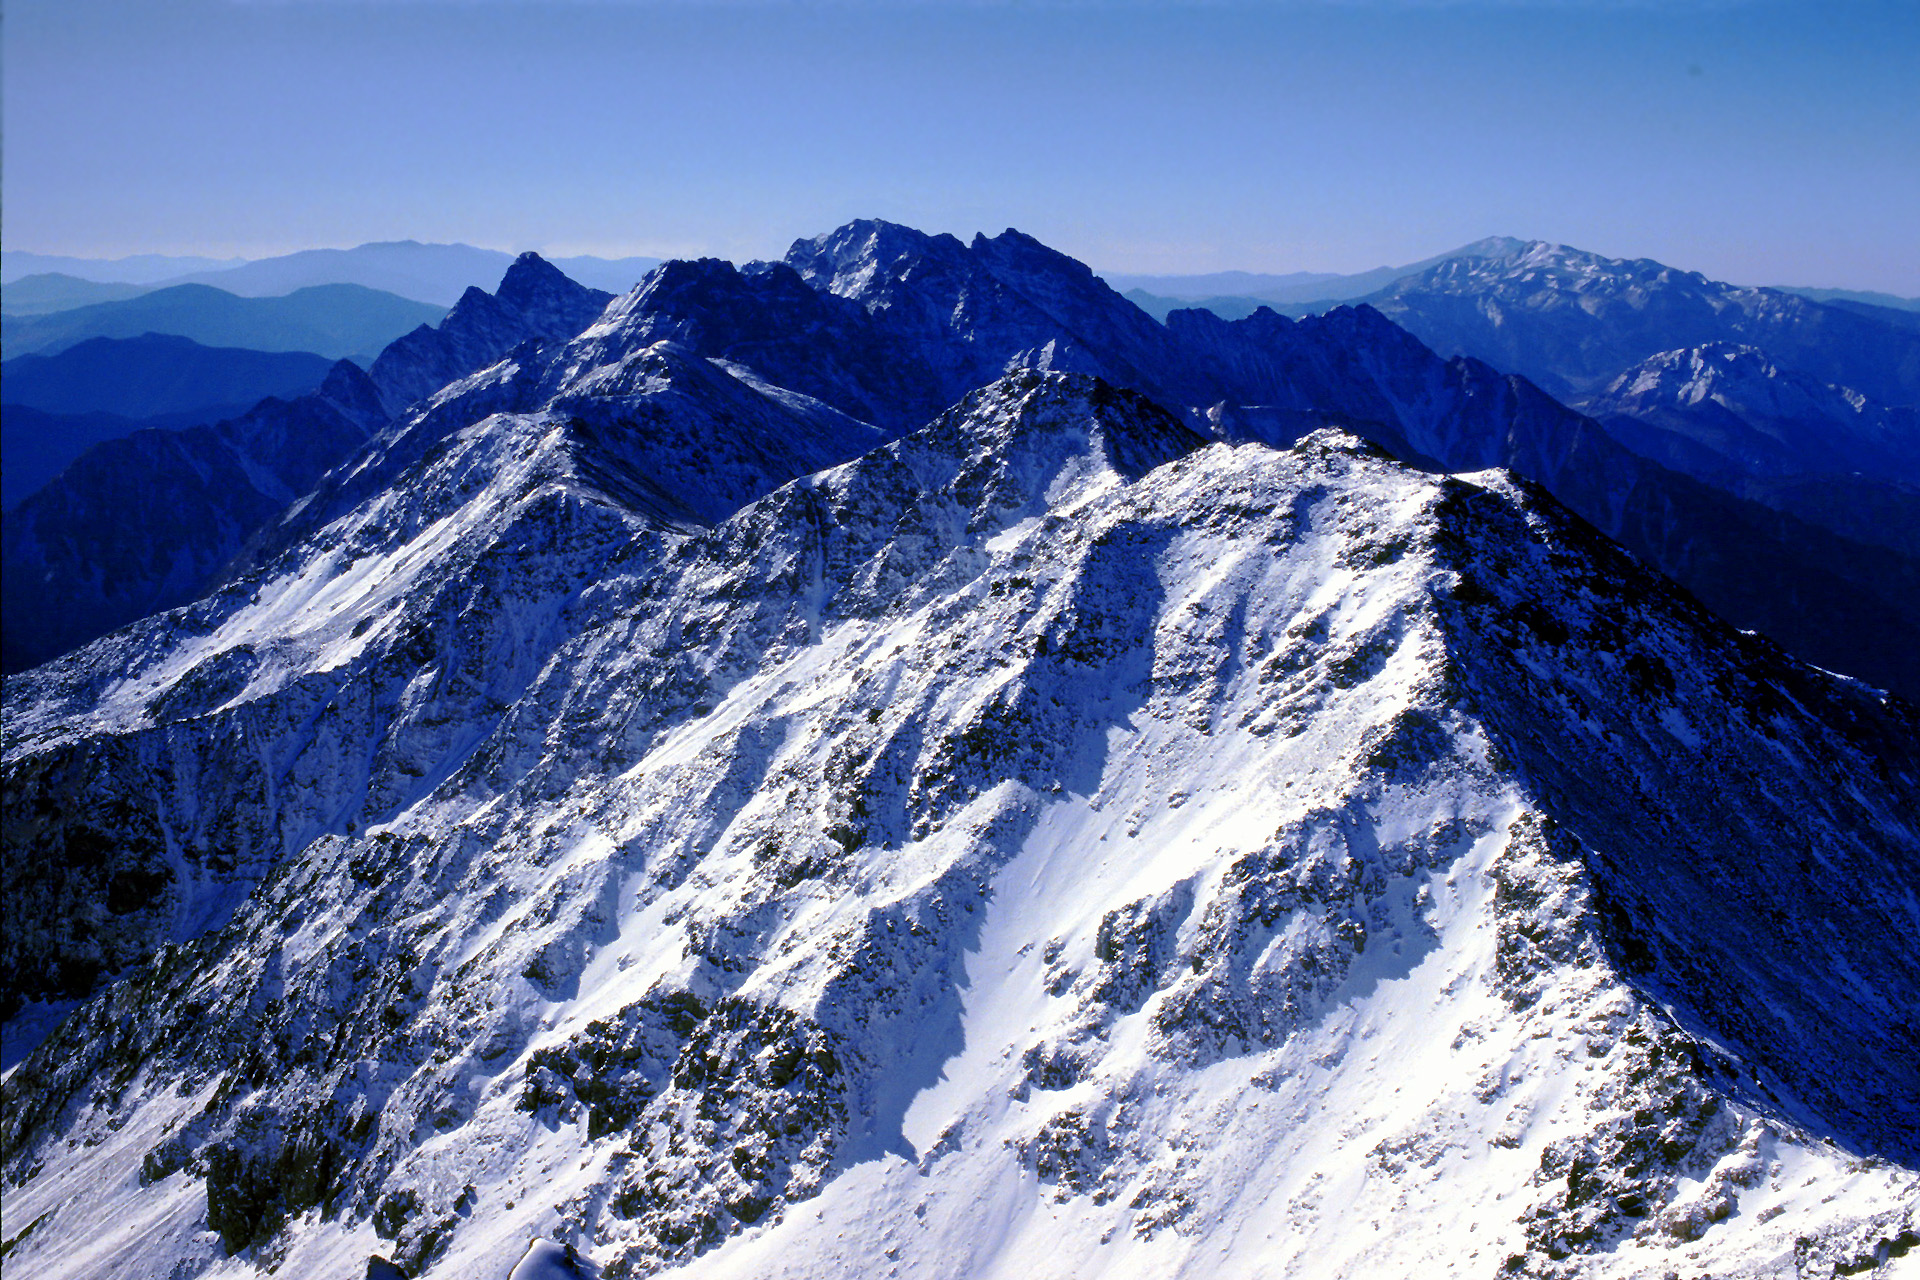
(1765, 142)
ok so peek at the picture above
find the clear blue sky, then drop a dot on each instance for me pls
(1760, 142)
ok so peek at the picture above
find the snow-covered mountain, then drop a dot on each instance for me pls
(1244, 292)
(1047, 842)
(1572, 321)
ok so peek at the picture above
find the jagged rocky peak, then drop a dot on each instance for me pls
(348, 386)
(1020, 439)
(713, 307)
(868, 258)
(535, 302)
(1016, 252)
(547, 298)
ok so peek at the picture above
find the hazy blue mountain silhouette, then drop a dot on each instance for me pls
(59, 406)
(145, 522)
(335, 321)
(50, 291)
(155, 373)
(140, 268)
(436, 273)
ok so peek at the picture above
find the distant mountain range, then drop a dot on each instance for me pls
(1234, 295)
(140, 523)
(943, 317)
(140, 268)
(1566, 319)
(36, 446)
(434, 273)
(155, 373)
(1572, 321)
(1856, 297)
(40, 294)
(57, 407)
(333, 320)
(1233, 287)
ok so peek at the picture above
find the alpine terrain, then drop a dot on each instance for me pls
(871, 766)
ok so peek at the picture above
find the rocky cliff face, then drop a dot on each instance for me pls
(1048, 840)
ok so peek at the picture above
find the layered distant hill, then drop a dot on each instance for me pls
(435, 273)
(335, 320)
(1855, 297)
(39, 294)
(140, 268)
(146, 522)
(153, 374)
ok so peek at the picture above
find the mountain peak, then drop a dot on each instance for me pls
(532, 280)
(864, 257)
(1009, 419)
(1493, 247)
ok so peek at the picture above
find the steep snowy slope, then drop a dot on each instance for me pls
(1045, 845)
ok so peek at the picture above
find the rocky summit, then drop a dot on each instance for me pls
(643, 815)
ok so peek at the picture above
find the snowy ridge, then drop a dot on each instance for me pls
(1045, 844)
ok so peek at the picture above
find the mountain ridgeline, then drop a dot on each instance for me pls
(896, 761)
